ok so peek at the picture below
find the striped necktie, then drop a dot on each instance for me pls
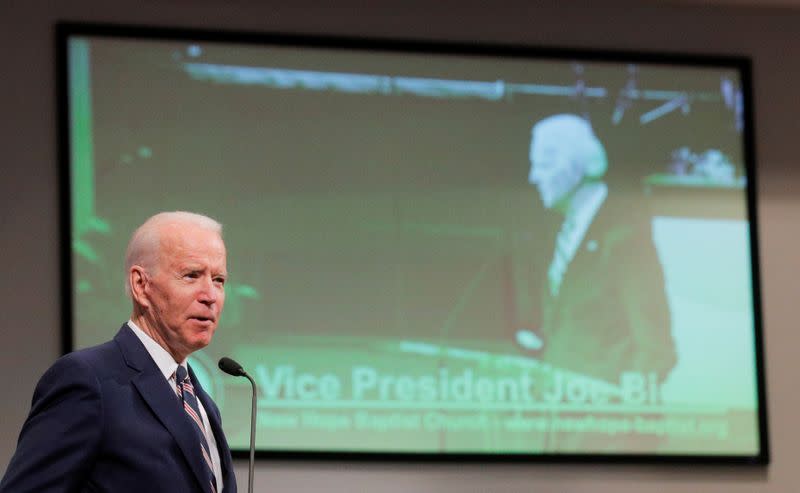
(562, 255)
(186, 393)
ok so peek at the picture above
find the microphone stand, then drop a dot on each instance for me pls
(252, 435)
(231, 367)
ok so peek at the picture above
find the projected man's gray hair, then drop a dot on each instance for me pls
(578, 140)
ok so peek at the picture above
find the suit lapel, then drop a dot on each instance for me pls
(163, 401)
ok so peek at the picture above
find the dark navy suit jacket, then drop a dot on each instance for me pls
(104, 419)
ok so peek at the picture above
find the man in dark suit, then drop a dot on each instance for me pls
(604, 312)
(122, 416)
(604, 307)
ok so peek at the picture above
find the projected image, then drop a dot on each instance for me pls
(435, 253)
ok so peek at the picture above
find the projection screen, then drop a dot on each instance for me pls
(435, 250)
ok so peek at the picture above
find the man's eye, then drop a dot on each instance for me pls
(219, 280)
(190, 275)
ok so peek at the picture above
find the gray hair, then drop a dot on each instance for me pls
(579, 140)
(145, 243)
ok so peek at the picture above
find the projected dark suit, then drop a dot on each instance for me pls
(611, 314)
(105, 419)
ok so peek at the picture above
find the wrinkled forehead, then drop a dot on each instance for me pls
(182, 241)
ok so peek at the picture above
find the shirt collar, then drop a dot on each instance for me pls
(587, 201)
(165, 362)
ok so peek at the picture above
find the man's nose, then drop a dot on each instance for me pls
(207, 294)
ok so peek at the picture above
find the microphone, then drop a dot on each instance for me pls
(231, 367)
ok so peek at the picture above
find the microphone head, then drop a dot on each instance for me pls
(231, 367)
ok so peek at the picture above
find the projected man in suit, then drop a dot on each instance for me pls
(604, 308)
(121, 417)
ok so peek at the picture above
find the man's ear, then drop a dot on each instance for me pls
(138, 280)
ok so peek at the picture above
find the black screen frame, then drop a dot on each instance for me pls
(742, 64)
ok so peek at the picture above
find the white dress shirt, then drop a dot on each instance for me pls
(581, 212)
(168, 365)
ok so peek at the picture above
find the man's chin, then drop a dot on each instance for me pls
(200, 343)
(202, 335)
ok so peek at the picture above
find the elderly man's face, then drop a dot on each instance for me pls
(553, 170)
(187, 290)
